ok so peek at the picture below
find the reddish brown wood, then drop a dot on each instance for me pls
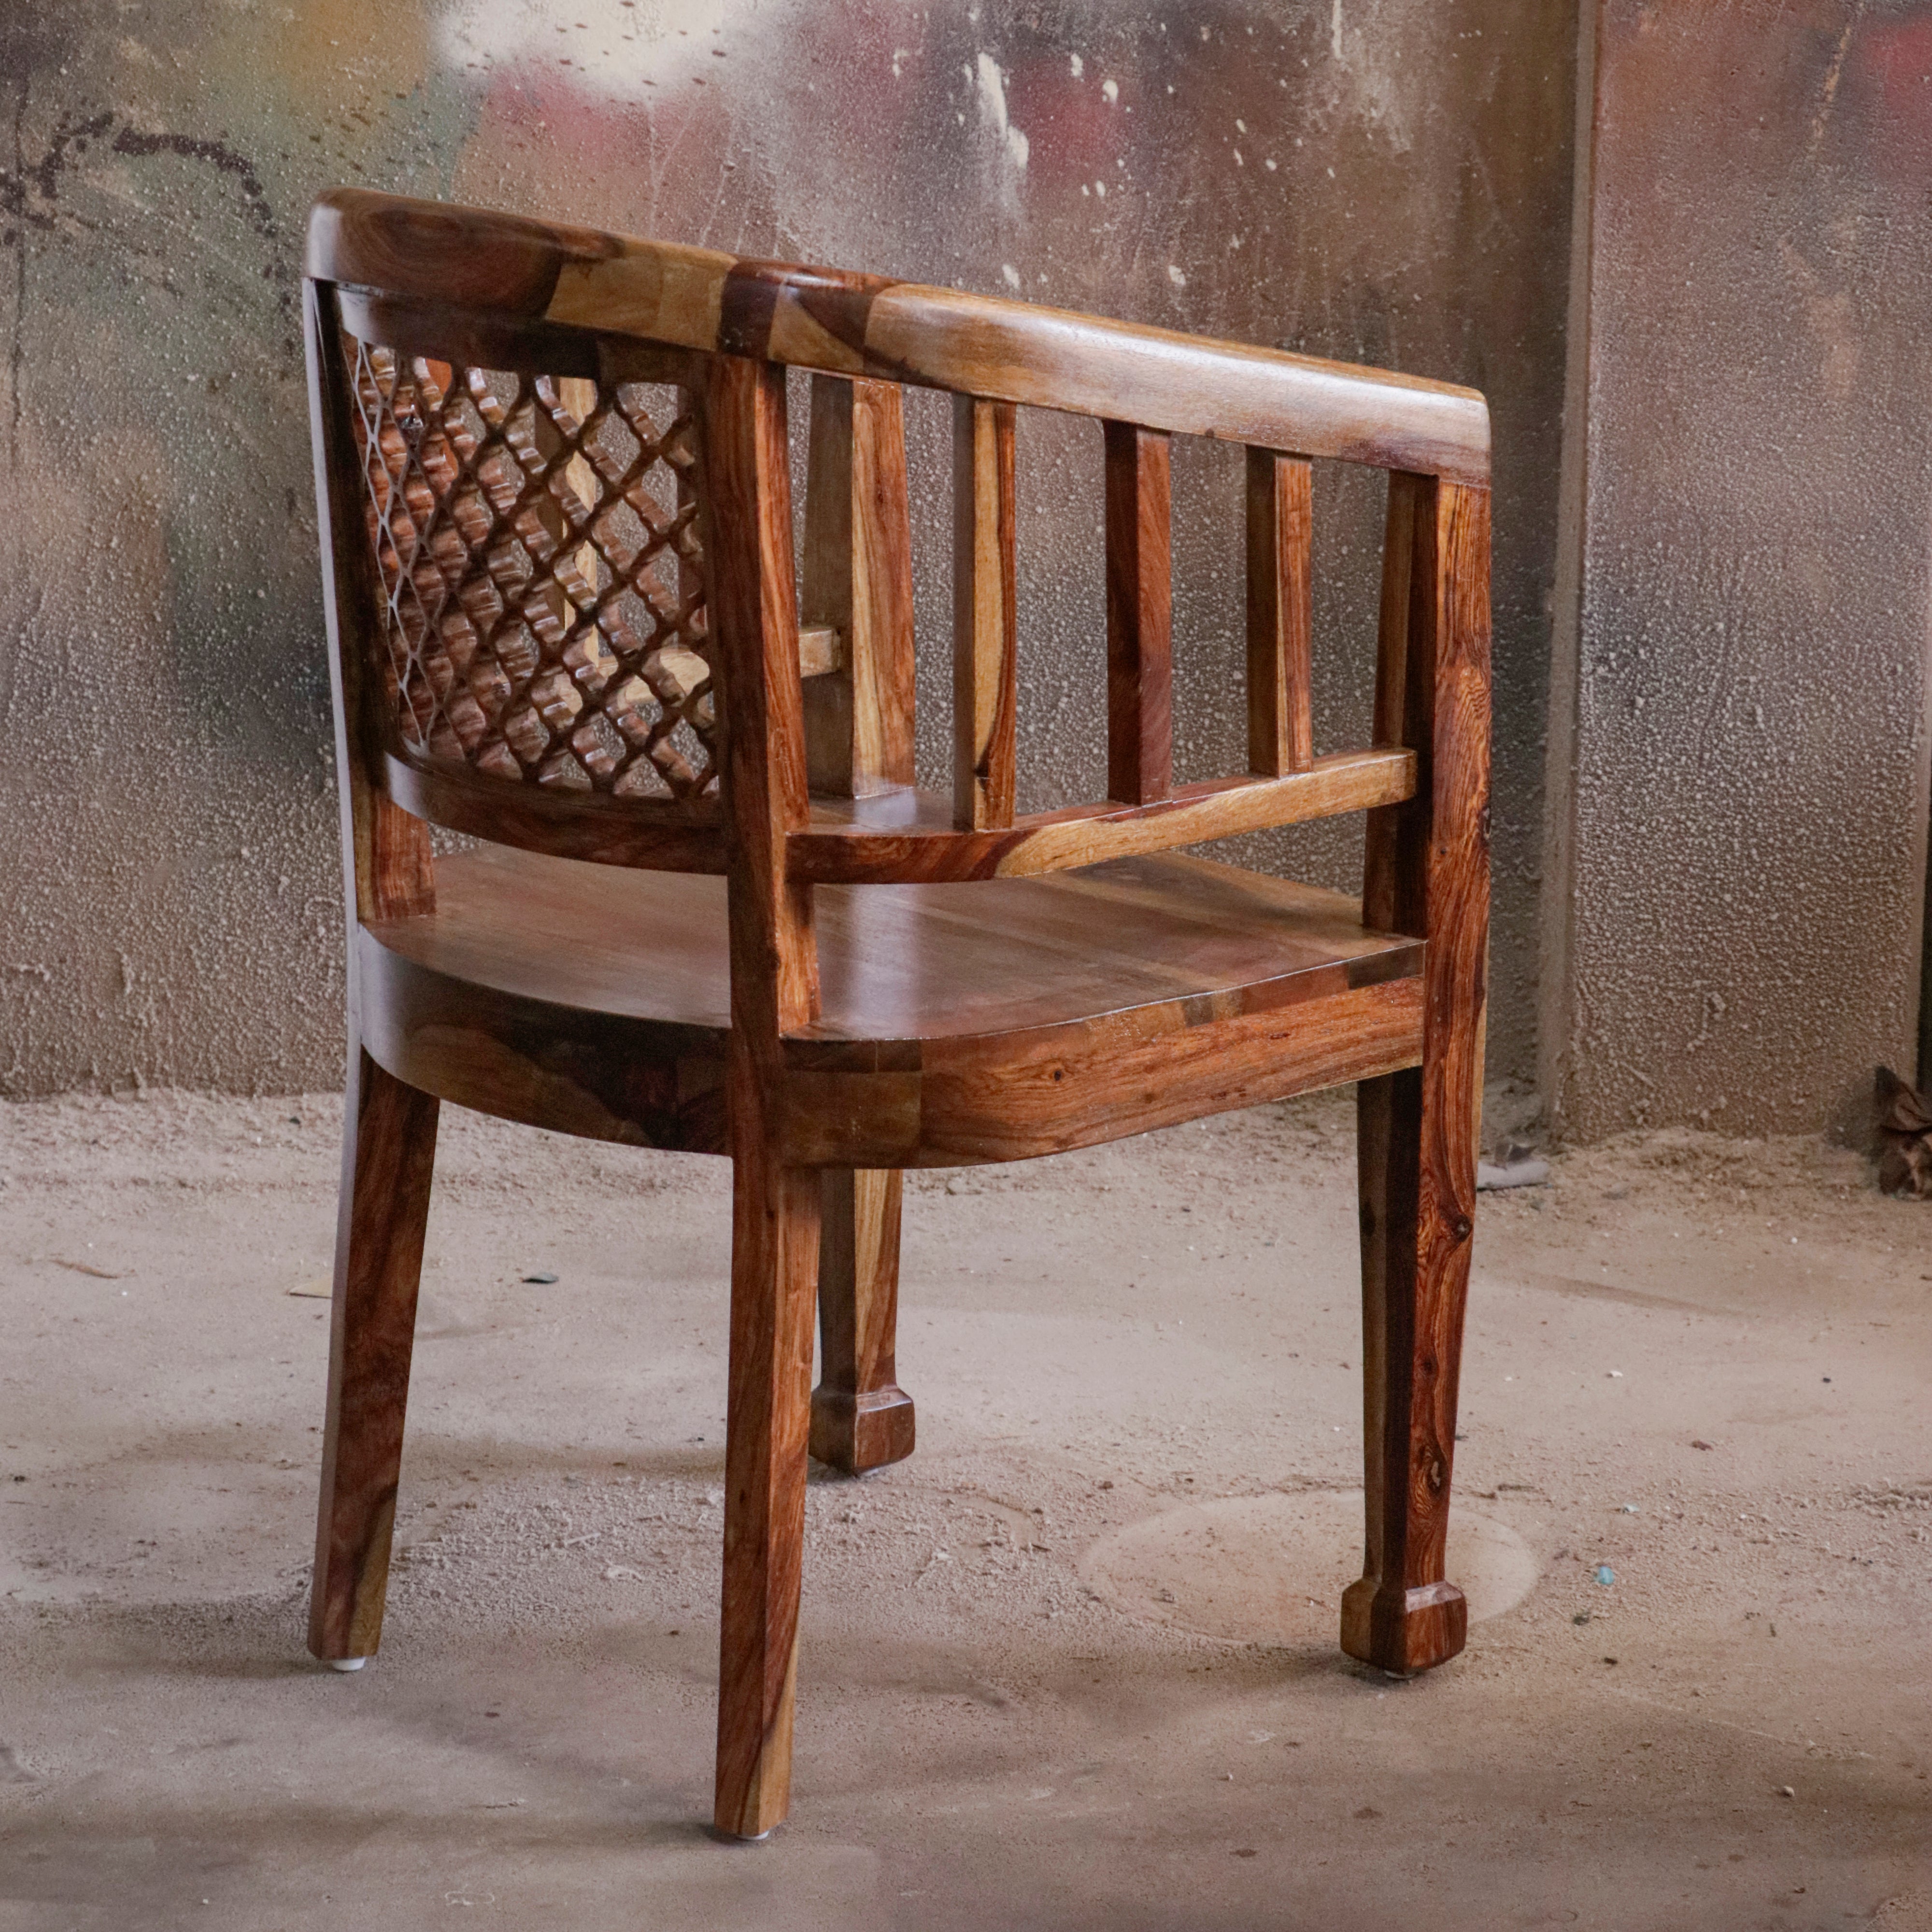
(385, 853)
(1081, 989)
(858, 581)
(1140, 657)
(861, 1418)
(910, 835)
(855, 325)
(389, 1149)
(985, 623)
(1428, 875)
(1281, 622)
(774, 990)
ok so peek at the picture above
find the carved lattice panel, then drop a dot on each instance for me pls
(537, 543)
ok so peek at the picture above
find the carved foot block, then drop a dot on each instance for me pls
(856, 1433)
(1403, 1631)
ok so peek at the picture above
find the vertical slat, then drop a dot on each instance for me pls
(775, 1208)
(389, 872)
(1395, 643)
(1281, 621)
(1427, 874)
(858, 579)
(1140, 668)
(985, 647)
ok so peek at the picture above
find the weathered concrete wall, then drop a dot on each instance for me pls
(1386, 180)
(1740, 756)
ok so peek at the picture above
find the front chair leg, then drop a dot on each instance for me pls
(388, 1151)
(774, 1270)
(1402, 1615)
(861, 1418)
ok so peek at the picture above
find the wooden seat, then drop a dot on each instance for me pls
(478, 1001)
(712, 912)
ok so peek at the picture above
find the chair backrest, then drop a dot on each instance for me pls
(552, 464)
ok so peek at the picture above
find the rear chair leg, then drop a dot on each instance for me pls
(774, 1273)
(1401, 1614)
(861, 1418)
(388, 1150)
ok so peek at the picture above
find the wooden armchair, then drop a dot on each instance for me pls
(714, 915)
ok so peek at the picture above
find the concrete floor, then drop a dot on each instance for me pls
(1063, 1668)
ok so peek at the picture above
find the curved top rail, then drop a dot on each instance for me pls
(855, 325)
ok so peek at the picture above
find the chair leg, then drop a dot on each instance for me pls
(1402, 1615)
(861, 1418)
(774, 1275)
(388, 1151)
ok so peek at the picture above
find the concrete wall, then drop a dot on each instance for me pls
(1386, 180)
(1739, 794)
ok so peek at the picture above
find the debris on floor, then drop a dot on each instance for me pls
(1516, 1165)
(1905, 1138)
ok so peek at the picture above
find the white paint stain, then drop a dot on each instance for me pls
(612, 49)
(1110, 91)
(1335, 30)
(1175, 276)
(899, 54)
(1009, 274)
(1079, 66)
(992, 85)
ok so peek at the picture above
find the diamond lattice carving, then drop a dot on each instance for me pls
(536, 540)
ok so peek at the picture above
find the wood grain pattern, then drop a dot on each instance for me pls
(387, 867)
(1281, 614)
(747, 500)
(880, 978)
(986, 625)
(520, 995)
(910, 835)
(861, 1418)
(970, 1101)
(862, 325)
(1140, 600)
(1428, 873)
(388, 1150)
(858, 583)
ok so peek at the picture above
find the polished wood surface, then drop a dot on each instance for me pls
(1084, 1005)
(857, 583)
(1281, 614)
(906, 835)
(896, 963)
(773, 968)
(388, 1150)
(1427, 872)
(1140, 648)
(861, 1418)
(854, 325)
(714, 913)
(986, 639)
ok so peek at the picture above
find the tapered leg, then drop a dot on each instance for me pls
(861, 1418)
(1403, 1614)
(1427, 873)
(774, 1275)
(388, 1150)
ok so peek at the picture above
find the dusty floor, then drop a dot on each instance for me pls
(1063, 1669)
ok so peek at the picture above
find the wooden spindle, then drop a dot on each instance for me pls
(858, 580)
(1140, 666)
(1281, 723)
(986, 645)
